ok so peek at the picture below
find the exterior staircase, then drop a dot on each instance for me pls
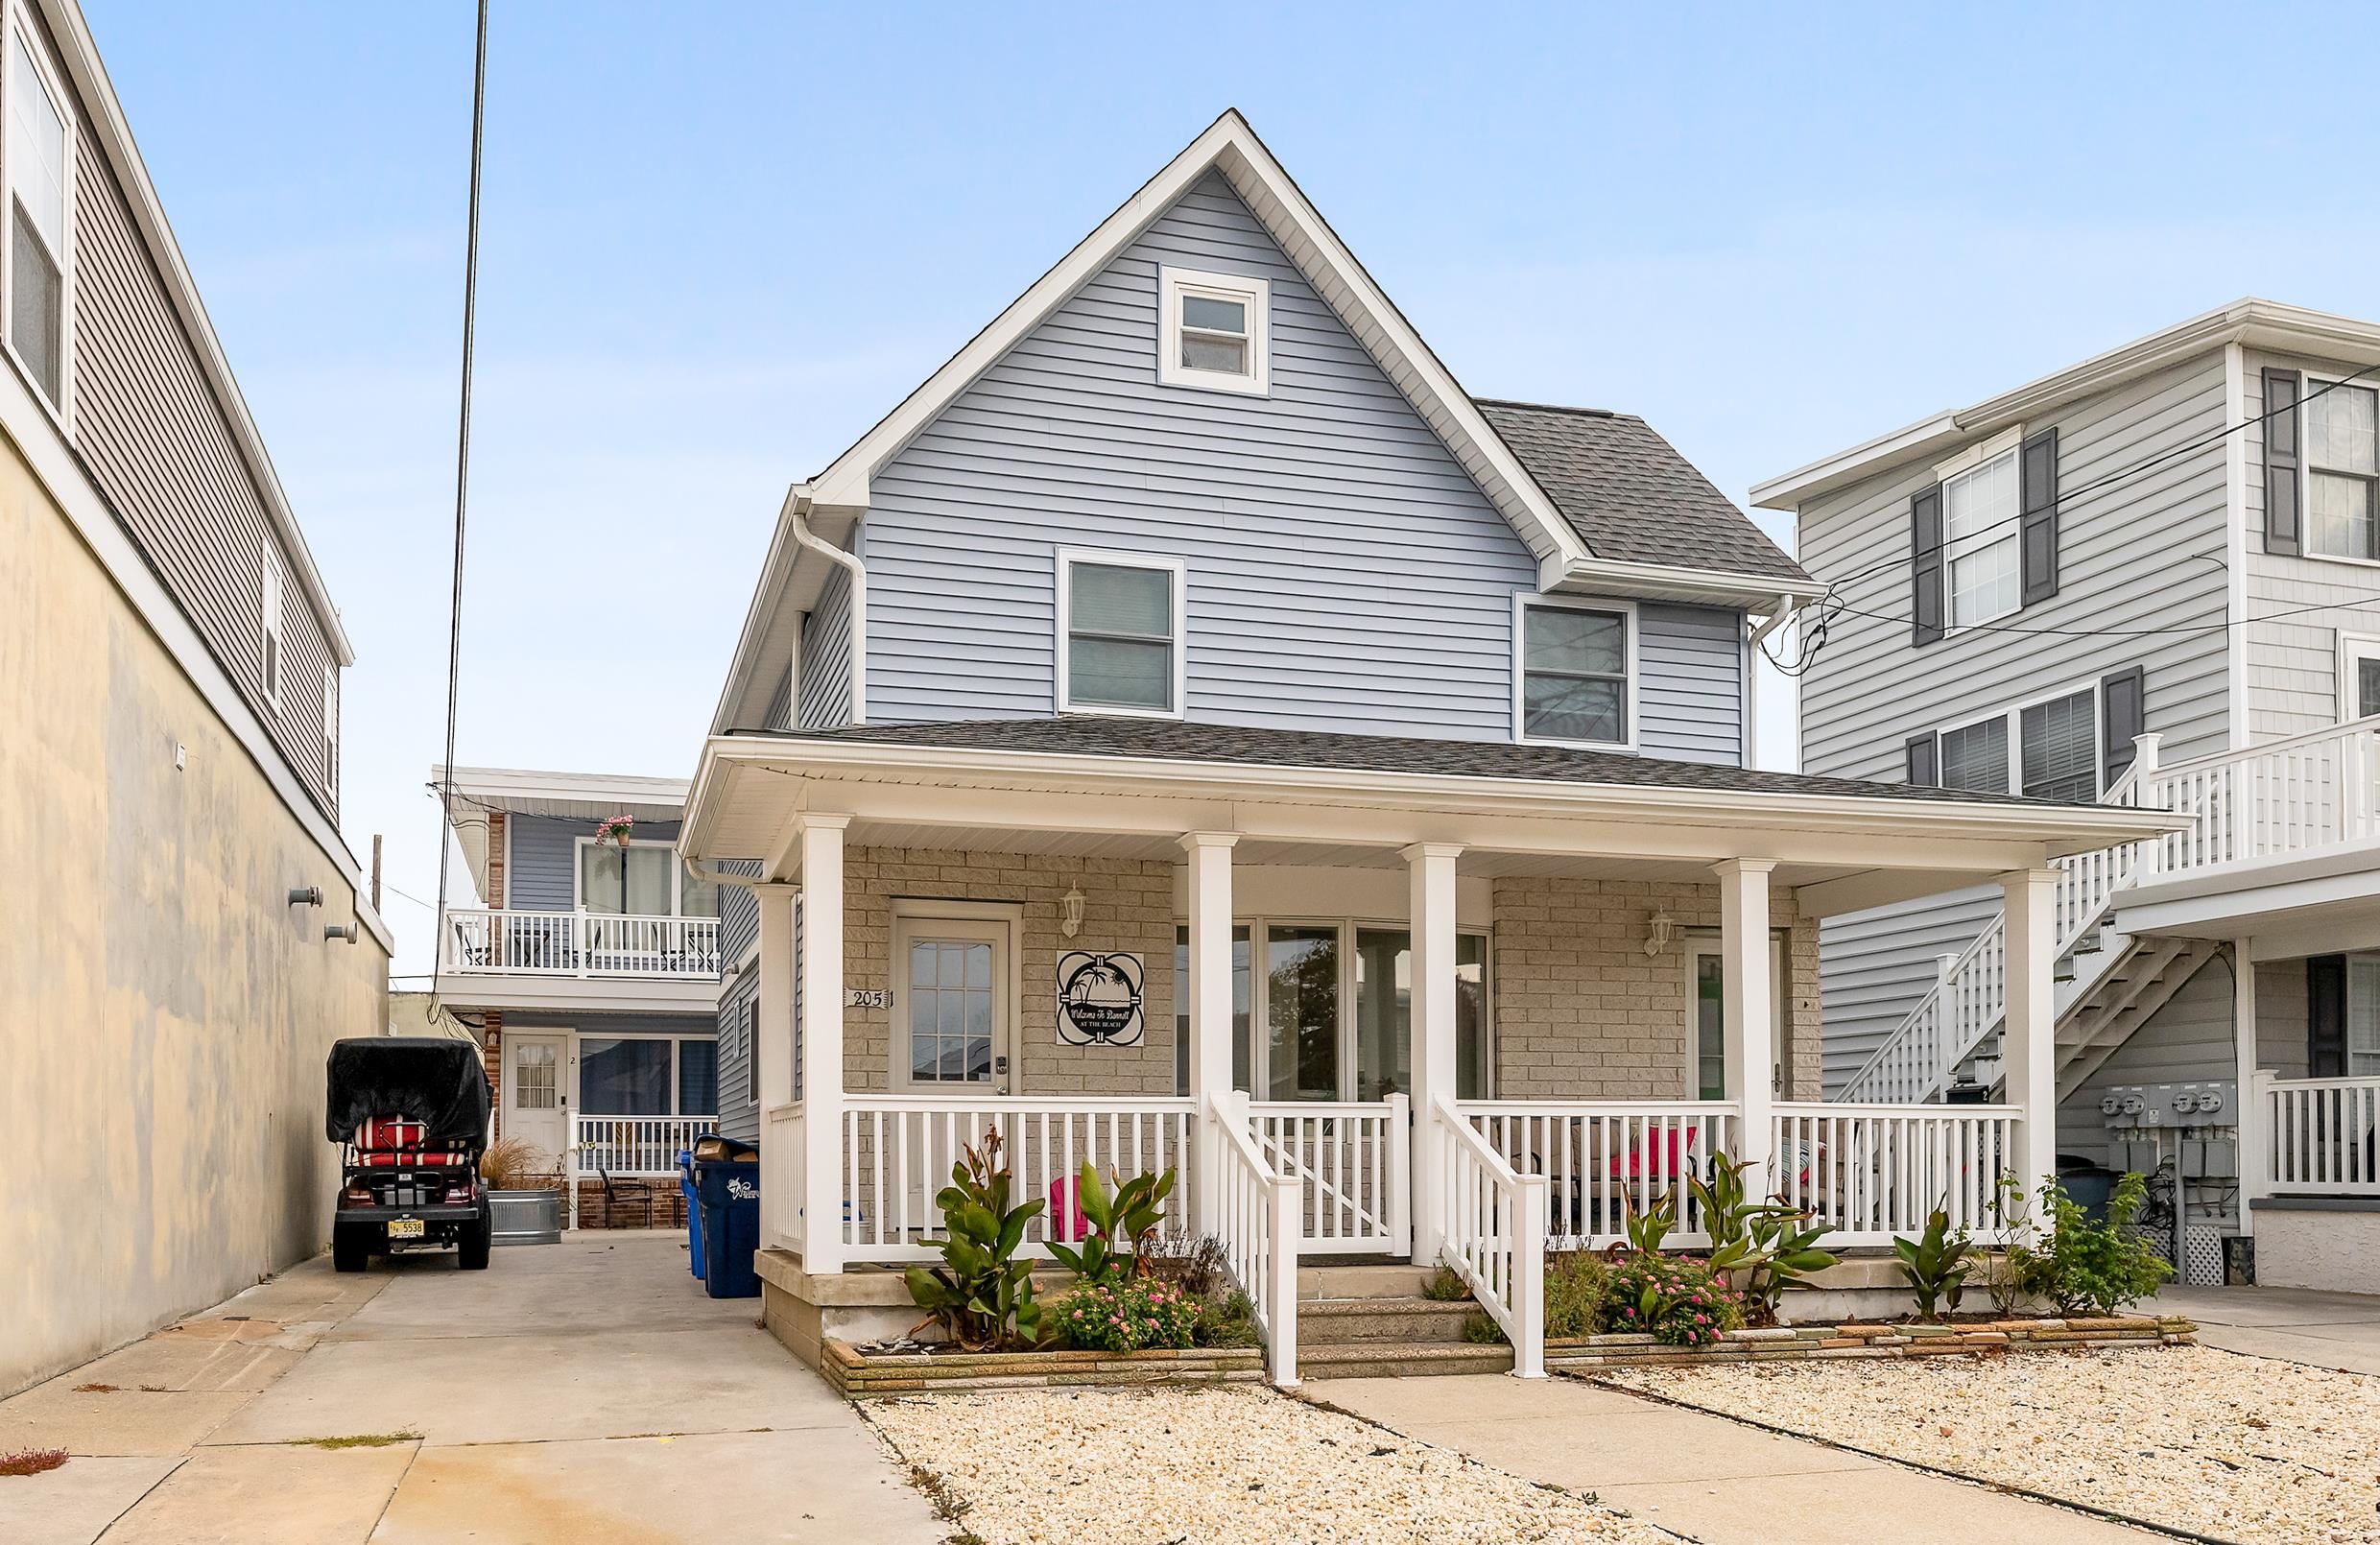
(1372, 1323)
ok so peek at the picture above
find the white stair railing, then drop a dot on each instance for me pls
(1353, 1164)
(1257, 1216)
(1494, 1224)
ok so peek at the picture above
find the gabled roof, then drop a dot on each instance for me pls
(2256, 324)
(1628, 494)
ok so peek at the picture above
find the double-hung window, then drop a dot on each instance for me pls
(2343, 471)
(273, 581)
(40, 235)
(1120, 634)
(1214, 331)
(1979, 536)
(1572, 670)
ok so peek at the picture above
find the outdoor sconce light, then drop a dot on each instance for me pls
(331, 931)
(1072, 924)
(306, 896)
(1662, 929)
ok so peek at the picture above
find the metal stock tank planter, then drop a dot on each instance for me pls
(520, 1213)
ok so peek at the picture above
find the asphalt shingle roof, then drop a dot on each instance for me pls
(1630, 495)
(1173, 740)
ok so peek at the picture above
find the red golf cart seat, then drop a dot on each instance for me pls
(392, 1142)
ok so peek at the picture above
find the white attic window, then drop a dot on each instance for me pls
(330, 728)
(1215, 331)
(38, 254)
(270, 619)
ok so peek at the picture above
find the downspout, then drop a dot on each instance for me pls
(1786, 606)
(798, 512)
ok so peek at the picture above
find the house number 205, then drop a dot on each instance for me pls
(866, 998)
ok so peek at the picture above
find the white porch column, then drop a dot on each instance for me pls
(773, 1052)
(1209, 858)
(821, 969)
(1749, 1011)
(1430, 868)
(2029, 1034)
(2253, 1139)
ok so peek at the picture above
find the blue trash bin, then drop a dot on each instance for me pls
(694, 1214)
(728, 1191)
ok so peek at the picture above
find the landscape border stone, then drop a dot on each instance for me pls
(1810, 1343)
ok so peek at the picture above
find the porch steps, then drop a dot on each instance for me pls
(1390, 1338)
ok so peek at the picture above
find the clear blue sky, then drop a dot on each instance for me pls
(719, 241)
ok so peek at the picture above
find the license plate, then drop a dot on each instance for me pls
(405, 1228)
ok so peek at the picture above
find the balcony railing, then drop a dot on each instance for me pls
(488, 942)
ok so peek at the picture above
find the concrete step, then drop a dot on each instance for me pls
(1381, 1360)
(1397, 1281)
(1406, 1322)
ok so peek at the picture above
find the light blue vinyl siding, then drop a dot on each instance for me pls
(1343, 571)
(823, 698)
(1690, 674)
(739, 913)
(779, 714)
(738, 1117)
(544, 852)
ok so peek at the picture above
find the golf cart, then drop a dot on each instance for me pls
(411, 1112)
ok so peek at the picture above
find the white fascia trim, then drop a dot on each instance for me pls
(776, 573)
(1231, 147)
(2100, 824)
(2264, 323)
(1760, 593)
(29, 425)
(497, 784)
(105, 117)
(797, 505)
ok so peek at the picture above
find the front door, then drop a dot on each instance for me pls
(1706, 1079)
(950, 1005)
(537, 1093)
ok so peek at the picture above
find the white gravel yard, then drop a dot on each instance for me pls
(1229, 1465)
(2240, 1448)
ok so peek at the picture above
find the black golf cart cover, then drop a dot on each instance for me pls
(428, 1079)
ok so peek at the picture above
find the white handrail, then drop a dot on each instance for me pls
(1351, 1161)
(1603, 1159)
(1258, 1217)
(1871, 1171)
(1494, 1223)
(2321, 1136)
(518, 942)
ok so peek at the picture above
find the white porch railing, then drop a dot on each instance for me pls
(2321, 1135)
(1870, 1172)
(1257, 1216)
(899, 1150)
(1494, 1224)
(783, 1167)
(490, 941)
(1350, 1161)
(1602, 1159)
(639, 1146)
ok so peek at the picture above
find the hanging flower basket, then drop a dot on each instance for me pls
(615, 830)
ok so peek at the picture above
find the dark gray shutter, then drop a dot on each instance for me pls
(2281, 522)
(2036, 482)
(1925, 564)
(2123, 714)
(2326, 1017)
(1923, 770)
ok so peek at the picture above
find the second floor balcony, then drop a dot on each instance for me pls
(506, 942)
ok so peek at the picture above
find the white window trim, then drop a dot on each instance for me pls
(2353, 648)
(1632, 675)
(2014, 715)
(330, 729)
(1177, 611)
(62, 410)
(1009, 915)
(2306, 470)
(1990, 451)
(273, 637)
(1172, 282)
(578, 873)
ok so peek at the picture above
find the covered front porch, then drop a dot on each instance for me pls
(1368, 1012)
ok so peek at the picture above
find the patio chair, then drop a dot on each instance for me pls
(619, 1193)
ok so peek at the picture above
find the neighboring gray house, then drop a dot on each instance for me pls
(1192, 730)
(2178, 539)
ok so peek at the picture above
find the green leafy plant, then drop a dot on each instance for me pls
(1762, 1246)
(1230, 1320)
(1645, 1231)
(981, 1294)
(1673, 1298)
(2012, 1221)
(1446, 1286)
(1124, 1225)
(1936, 1263)
(1481, 1329)
(1126, 1316)
(2082, 1266)
(1575, 1284)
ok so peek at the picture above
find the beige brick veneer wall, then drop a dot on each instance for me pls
(1127, 906)
(1582, 1013)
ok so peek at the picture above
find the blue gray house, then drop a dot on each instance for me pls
(1193, 730)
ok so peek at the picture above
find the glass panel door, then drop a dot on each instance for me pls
(1302, 1011)
(1707, 1070)
(635, 879)
(951, 1003)
(1384, 1014)
(1240, 1015)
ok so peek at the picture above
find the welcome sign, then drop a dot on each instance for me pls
(1098, 999)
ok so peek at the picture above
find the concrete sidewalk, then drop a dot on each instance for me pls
(1704, 1476)
(585, 1392)
(2328, 1330)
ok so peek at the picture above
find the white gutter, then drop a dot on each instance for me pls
(798, 500)
(1786, 606)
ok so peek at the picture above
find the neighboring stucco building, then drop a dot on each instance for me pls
(169, 768)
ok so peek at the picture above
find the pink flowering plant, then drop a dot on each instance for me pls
(614, 828)
(1675, 1299)
(1128, 1315)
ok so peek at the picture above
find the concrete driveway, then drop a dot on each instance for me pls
(585, 1392)
(2329, 1330)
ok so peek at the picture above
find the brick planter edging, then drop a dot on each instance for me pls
(859, 1376)
(1806, 1344)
